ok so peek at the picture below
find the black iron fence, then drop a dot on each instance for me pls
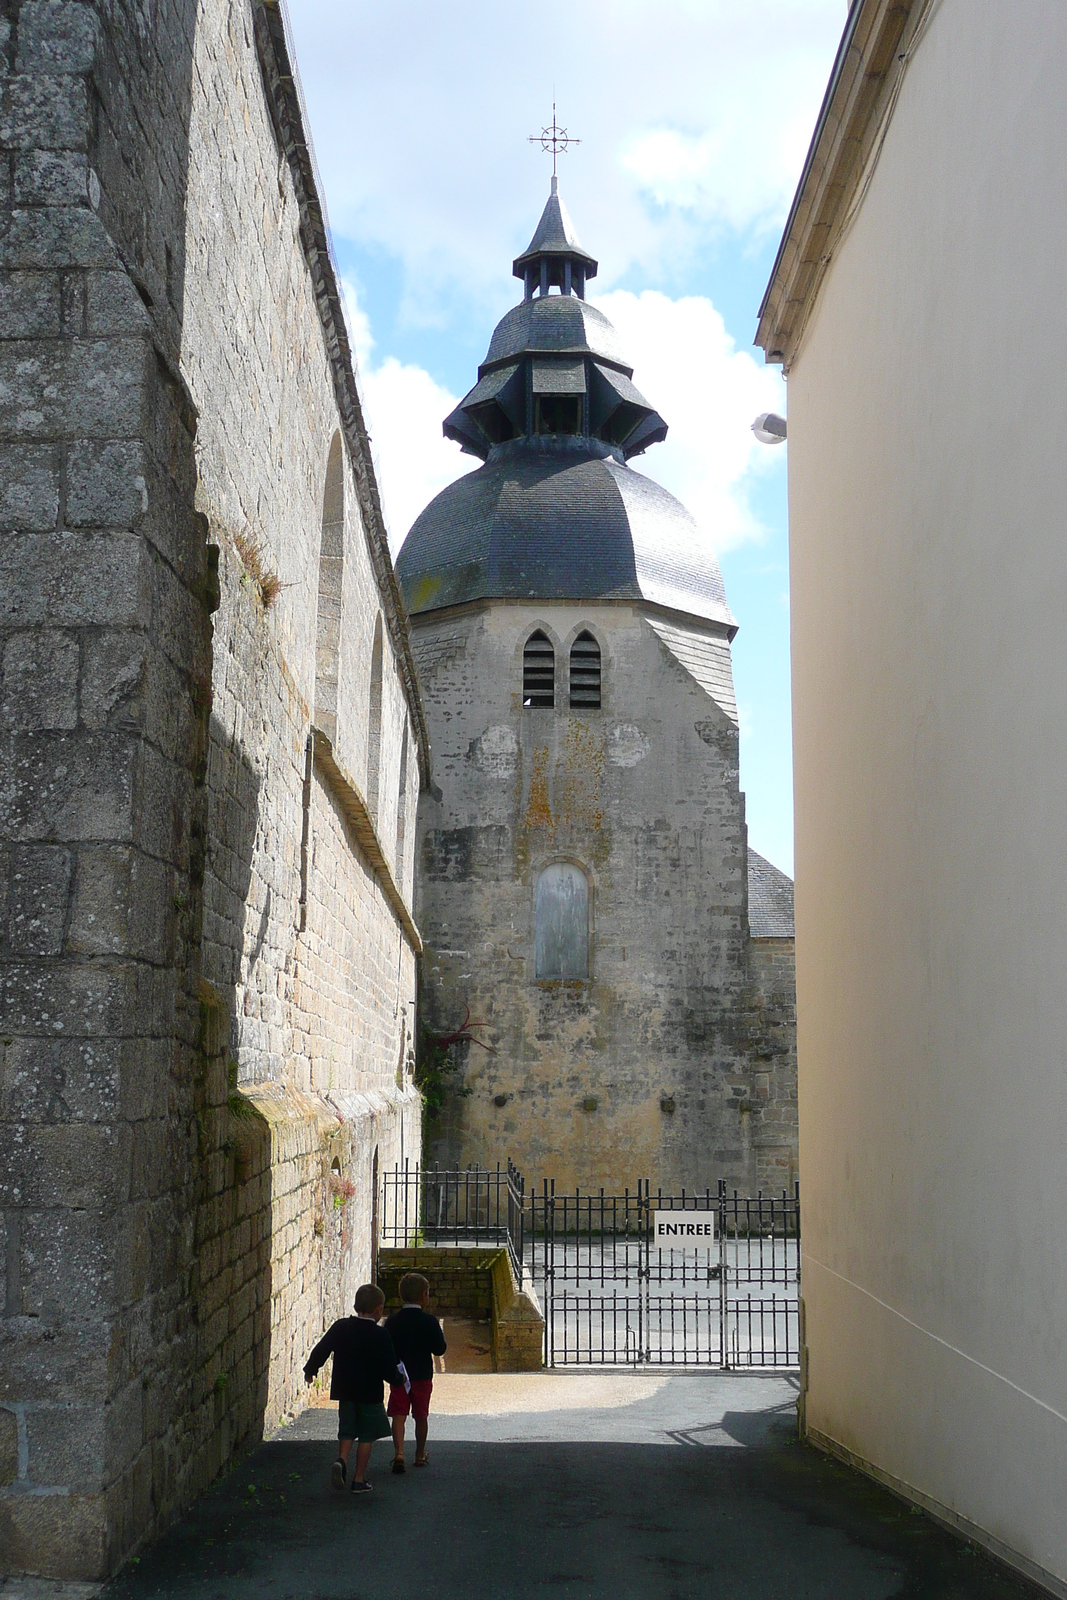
(473, 1207)
(699, 1278)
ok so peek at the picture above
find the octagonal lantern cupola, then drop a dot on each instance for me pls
(554, 258)
(557, 511)
(554, 366)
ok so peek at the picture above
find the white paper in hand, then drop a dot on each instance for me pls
(403, 1371)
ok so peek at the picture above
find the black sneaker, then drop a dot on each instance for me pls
(338, 1474)
(361, 1488)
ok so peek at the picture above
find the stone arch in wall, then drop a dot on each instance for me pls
(561, 923)
(331, 576)
(374, 1217)
(374, 722)
(401, 808)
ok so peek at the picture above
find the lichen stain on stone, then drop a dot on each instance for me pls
(602, 846)
(579, 773)
(538, 807)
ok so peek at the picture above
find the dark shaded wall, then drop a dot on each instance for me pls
(105, 694)
(207, 981)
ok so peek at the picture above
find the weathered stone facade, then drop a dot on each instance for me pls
(207, 952)
(675, 1059)
(772, 1039)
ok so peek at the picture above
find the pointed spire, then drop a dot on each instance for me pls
(554, 256)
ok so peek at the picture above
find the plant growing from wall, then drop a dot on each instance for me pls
(257, 572)
(342, 1190)
(435, 1065)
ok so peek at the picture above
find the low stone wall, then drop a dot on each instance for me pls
(478, 1284)
(518, 1325)
(460, 1280)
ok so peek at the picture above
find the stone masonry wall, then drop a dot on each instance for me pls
(644, 1069)
(460, 1279)
(207, 987)
(106, 660)
(770, 1086)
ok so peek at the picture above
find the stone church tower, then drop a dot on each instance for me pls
(583, 872)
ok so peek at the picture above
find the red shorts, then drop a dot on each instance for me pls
(417, 1402)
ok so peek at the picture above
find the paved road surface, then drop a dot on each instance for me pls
(552, 1486)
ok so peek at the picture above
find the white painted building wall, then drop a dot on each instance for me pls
(928, 480)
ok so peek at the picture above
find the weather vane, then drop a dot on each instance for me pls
(553, 139)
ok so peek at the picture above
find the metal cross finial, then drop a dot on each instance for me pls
(554, 139)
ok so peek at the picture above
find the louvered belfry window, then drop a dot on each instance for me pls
(538, 672)
(585, 673)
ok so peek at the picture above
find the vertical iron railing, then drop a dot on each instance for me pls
(437, 1206)
(516, 1219)
(759, 1240)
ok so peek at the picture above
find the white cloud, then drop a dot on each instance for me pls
(360, 336)
(740, 173)
(403, 407)
(693, 115)
(687, 366)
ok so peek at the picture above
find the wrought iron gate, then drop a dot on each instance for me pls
(614, 1295)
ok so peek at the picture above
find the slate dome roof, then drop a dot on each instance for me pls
(548, 519)
(555, 322)
(556, 512)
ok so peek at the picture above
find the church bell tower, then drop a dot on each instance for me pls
(582, 865)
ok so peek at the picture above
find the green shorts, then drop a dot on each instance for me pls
(360, 1422)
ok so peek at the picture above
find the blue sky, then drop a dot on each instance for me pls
(693, 116)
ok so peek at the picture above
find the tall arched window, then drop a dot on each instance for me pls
(331, 575)
(538, 672)
(561, 922)
(374, 722)
(585, 673)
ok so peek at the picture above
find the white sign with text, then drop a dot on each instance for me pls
(683, 1230)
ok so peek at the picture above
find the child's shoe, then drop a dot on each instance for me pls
(338, 1474)
(361, 1488)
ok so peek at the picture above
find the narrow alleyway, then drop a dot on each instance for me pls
(625, 1487)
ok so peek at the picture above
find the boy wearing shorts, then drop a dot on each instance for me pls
(363, 1361)
(417, 1338)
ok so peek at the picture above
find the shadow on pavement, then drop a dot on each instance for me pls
(777, 1522)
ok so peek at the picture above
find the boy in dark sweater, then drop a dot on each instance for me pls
(417, 1338)
(363, 1359)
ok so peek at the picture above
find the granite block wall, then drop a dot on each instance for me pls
(206, 982)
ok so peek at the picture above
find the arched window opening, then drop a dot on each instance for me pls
(401, 810)
(561, 923)
(585, 673)
(374, 722)
(331, 576)
(538, 672)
